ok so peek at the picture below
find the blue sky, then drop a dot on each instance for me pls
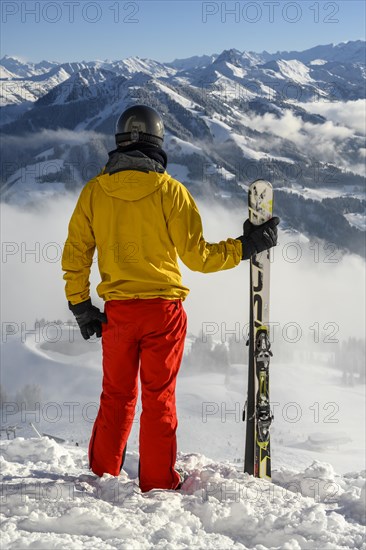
(76, 30)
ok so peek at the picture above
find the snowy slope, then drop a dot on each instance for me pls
(5, 74)
(310, 423)
(349, 52)
(132, 65)
(335, 72)
(51, 500)
(26, 188)
(316, 501)
(19, 67)
(34, 87)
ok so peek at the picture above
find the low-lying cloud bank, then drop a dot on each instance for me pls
(310, 282)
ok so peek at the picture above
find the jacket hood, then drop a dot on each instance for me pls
(131, 176)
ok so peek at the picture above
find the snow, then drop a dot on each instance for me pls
(15, 92)
(178, 98)
(47, 153)
(23, 186)
(173, 143)
(86, 84)
(357, 220)
(317, 496)
(237, 71)
(131, 65)
(318, 62)
(32, 88)
(222, 132)
(316, 500)
(228, 69)
(295, 71)
(5, 74)
(320, 193)
(51, 500)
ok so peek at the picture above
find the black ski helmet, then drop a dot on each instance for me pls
(140, 123)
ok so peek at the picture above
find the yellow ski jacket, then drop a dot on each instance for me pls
(139, 221)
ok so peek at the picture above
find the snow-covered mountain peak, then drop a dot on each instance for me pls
(194, 62)
(5, 74)
(232, 56)
(272, 65)
(16, 66)
(90, 76)
(12, 59)
(132, 65)
(251, 58)
(72, 67)
(24, 69)
(140, 78)
(223, 108)
(295, 70)
(353, 51)
(82, 85)
(45, 65)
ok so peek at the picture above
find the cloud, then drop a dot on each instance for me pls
(352, 114)
(334, 141)
(32, 240)
(309, 290)
(305, 291)
(294, 129)
(45, 137)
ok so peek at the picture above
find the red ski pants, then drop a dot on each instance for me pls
(146, 335)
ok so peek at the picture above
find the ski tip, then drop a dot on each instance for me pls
(261, 182)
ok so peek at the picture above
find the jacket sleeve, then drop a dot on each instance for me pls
(185, 230)
(77, 256)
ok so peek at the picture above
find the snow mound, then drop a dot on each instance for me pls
(39, 454)
(51, 500)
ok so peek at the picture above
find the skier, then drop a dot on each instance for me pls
(140, 220)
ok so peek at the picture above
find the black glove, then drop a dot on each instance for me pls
(89, 318)
(257, 238)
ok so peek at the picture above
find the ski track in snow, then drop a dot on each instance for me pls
(51, 500)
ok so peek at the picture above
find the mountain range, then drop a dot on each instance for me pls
(294, 118)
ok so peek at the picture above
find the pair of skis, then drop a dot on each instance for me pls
(258, 412)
